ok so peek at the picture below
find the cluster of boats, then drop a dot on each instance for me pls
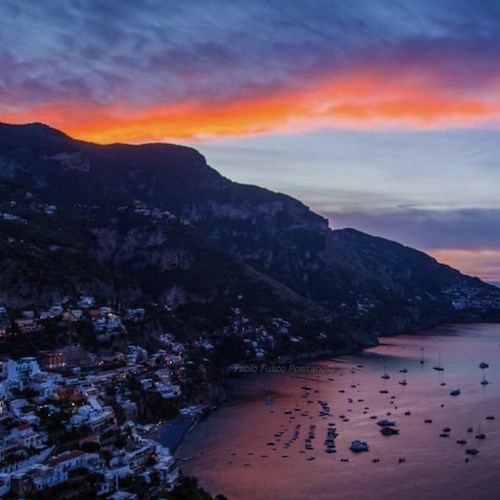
(295, 436)
(387, 427)
(331, 434)
(310, 437)
(325, 409)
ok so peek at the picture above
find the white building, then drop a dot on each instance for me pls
(26, 437)
(18, 373)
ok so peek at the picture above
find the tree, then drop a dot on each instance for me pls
(187, 489)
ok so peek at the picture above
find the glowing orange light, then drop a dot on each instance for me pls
(359, 99)
(475, 262)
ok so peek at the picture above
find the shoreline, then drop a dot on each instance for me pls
(300, 360)
(248, 426)
(303, 359)
(171, 433)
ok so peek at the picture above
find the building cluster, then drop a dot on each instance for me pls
(70, 421)
(471, 297)
(57, 428)
(69, 418)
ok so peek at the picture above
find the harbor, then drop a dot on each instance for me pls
(350, 427)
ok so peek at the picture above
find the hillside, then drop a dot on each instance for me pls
(155, 222)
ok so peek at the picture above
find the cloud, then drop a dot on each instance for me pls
(482, 263)
(189, 69)
(464, 229)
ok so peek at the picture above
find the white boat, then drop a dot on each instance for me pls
(386, 423)
(358, 445)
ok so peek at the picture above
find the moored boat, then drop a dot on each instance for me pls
(386, 423)
(358, 445)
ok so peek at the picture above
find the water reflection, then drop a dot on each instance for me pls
(251, 450)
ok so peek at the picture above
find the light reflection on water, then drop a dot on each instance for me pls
(230, 454)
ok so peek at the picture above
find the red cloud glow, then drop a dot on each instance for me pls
(361, 100)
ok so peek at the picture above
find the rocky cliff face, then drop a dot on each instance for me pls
(157, 221)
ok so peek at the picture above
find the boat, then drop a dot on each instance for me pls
(480, 435)
(484, 381)
(439, 368)
(403, 382)
(389, 431)
(472, 451)
(461, 441)
(422, 349)
(483, 365)
(403, 370)
(358, 445)
(386, 423)
(454, 392)
(386, 376)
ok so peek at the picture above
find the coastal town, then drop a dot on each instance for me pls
(74, 421)
(106, 422)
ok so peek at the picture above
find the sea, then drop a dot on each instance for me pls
(267, 441)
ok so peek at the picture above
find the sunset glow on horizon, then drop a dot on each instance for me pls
(364, 101)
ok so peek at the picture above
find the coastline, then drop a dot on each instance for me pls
(247, 424)
(300, 359)
(171, 434)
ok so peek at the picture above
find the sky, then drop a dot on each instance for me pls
(381, 115)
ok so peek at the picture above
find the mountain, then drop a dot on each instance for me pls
(155, 221)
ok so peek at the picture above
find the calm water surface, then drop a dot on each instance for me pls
(230, 453)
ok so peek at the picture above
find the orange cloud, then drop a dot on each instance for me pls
(361, 99)
(484, 263)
